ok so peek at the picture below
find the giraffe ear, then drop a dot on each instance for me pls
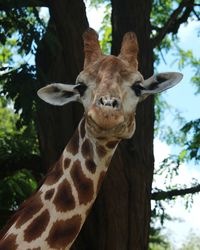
(59, 94)
(129, 49)
(158, 83)
(92, 48)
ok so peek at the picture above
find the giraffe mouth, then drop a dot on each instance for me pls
(97, 131)
(100, 129)
(105, 118)
(123, 127)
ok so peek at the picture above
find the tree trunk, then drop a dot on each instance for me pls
(60, 59)
(138, 159)
(119, 219)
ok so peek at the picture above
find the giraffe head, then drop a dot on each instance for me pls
(109, 87)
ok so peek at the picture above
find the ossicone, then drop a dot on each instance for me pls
(92, 48)
(129, 49)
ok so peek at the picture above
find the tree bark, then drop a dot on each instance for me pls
(60, 59)
(138, 160)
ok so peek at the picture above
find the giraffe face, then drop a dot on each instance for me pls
(109, 87)
(109, 98)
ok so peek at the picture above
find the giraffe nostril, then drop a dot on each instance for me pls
(101, 102)
(111, 102)
(115, 104)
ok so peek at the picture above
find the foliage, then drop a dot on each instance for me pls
(15, 143)
(20, 86)
(158, 240)
(7, 52)
(21, 31)
(16, 188)
(106, 30)
(189, 140)
(22, 28)
(163, 110)
(162, 15)
(192, 242)
(158, 246)
(161, 10)
(187, 58)
(186, 140)
(96, 3)
(192, 149)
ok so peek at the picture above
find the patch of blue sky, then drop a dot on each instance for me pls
(183, 95)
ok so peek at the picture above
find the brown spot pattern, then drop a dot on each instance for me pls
(30, 207)
(88, 154)
(111, 144)
(91, 165)
(82, 129)
(101, 138)
(101, 151)
(37, 227)
(55, 173)
(87, 149)
(67, 162)
(9, 243)
(64, 199)
(63, 232)
(48, 195)
(84, 185)
(73, 144)
(100, 181)
(38, 248)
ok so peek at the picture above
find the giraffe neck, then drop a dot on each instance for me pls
(53, 217)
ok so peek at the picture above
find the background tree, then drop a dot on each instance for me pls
(121, 215)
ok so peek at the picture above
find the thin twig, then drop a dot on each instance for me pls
(174, 21)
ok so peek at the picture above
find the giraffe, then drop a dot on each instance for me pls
(109, 88)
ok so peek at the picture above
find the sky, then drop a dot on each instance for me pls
(180, 97)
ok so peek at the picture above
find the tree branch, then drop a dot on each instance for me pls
(174, 21)
(8, 4)
(162, 195)
(197, 16)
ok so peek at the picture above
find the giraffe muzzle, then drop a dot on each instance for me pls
(106, 112)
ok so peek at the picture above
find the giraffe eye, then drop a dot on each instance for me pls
(81, 87)
(137, 87)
